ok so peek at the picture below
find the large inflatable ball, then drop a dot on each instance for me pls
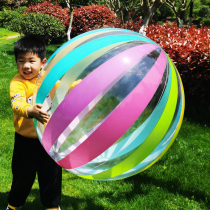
(115, 102)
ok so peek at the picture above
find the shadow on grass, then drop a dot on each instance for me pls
(3, 200)
(67, 202)
(197, 110)
(35, 205)
(173, 186)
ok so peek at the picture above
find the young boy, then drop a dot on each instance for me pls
(29, 157)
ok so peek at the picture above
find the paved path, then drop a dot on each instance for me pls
(11, 37)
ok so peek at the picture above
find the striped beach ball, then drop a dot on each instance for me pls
(115, 101)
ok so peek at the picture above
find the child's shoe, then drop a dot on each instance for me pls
(9, 207)
(54, 208)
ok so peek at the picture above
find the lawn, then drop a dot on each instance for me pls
(179, 180)
(5, 33)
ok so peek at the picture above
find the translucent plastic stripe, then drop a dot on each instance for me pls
(77, 69)
(74, 57)
(90, 62)
(111, 70)
(131, 142)
(65, 64)
(89, 34)
(160, 149)
(151, 142)
(120, 119)
(81, 39)
(68, 78)
(92, 104)
(154, 156)
(67, 48)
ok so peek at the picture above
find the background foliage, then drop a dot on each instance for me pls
(43, 24)
(189, 48)
(55, 10)
(7, 16)
(92, 17)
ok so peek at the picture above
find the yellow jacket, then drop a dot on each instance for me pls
(21, 92)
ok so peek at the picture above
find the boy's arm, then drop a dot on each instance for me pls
(18, 99)
(37, 113)
(20, 105)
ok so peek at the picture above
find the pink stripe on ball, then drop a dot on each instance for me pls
(119, 121)
(91, 86)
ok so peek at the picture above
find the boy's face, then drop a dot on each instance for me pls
(29, 65)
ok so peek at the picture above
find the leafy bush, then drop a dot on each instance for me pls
(1, 18)
(41, 24)
(21, 10)
(206, 21)
(92, 17)
(157, 15)
(133, 25)
(54, 10)
(189, 49)
(163, 12)
(6, 17)
(203, 11)
(160, 22)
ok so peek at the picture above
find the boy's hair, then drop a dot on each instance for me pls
(31, 43)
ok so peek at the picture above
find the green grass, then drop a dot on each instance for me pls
(179, 180)
(4, 33)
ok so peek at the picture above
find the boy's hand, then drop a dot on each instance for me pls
(37, 113)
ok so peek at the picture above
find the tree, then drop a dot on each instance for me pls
(190, 15)
(70, 5)
(148, 7)
(182, 7)
(163, 12)
(136, 8)
(117, 6)
(71, 10)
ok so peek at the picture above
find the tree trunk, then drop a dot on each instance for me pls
(145, 23)
(148, 17)
(191, 11)
(69, 5)
(70, 25)
(182, 17)
(178, 21)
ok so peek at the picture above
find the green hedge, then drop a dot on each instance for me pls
(42, 24)
(21, 10)
(203, 11)
(7, 16)
(206, 21)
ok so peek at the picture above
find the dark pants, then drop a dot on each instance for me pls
(29, 158)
